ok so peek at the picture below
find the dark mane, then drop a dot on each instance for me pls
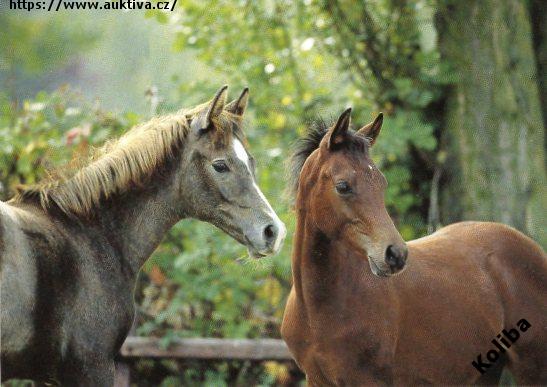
(305, 146)
(302, 149)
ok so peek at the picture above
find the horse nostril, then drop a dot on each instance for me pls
(391, 259)
(270, 232)
(396, 257)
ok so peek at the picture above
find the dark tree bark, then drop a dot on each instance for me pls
(494, 127)
(538, 13)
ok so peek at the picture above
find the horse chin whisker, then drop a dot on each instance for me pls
(256, 254)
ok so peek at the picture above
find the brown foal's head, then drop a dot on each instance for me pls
(342, 193)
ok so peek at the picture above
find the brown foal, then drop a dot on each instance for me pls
(472, 300)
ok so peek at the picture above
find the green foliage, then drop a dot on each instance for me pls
(212, 294)
(45, 132)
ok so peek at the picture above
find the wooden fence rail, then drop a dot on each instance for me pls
(207, 348)
(199, 348)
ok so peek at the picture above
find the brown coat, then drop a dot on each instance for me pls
(463, 285)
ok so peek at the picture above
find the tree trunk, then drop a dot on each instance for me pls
(494, 129)
(538, 13)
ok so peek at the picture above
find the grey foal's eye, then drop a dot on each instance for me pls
(220, 166)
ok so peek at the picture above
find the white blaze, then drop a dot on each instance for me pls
(242, 154)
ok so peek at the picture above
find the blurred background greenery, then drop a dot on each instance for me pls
(462, 84)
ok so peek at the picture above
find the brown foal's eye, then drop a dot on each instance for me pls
(220, 166)
(343, 188)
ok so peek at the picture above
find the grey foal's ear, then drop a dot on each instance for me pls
(238, 106)
(217, 104)
(372, 130)
(338, 134)
(205, 123)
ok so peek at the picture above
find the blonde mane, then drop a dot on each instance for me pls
(120, 164)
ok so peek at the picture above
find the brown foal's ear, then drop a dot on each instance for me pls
(215, 107)
(337, 135)
(238, 106)
(372, 130)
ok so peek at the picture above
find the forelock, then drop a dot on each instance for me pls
(306, 145)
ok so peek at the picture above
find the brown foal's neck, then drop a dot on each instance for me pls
(317, 268)
(305, 254)
(328, 274)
